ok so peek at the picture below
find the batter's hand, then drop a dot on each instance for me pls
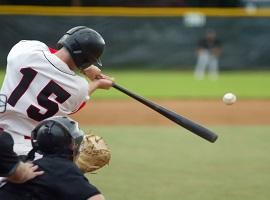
(102, 83)
(92, 72)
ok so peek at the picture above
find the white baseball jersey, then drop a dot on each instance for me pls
(38, 85)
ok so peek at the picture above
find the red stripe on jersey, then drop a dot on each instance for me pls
(81, 106)
(27, 137)
(52, 50)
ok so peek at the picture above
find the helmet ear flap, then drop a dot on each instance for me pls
(34, 135)
(34, 142)
(59, 44)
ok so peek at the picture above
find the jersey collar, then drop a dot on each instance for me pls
(57, 63)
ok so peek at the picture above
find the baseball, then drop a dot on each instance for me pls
(229, 98)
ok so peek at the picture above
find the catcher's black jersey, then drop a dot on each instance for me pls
(8, 159)
(62, 180)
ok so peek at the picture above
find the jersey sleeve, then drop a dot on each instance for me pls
(8, 158)
(24, 49)
(80, 107)
(76, 185)
(83, 189)
(30, 45)
(52, 50)
(82, 96)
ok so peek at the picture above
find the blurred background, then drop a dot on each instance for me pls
(160, 34)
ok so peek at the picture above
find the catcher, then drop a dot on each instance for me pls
(59, 139)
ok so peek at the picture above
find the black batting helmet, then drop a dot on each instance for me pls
(57, 135)
(85, 46)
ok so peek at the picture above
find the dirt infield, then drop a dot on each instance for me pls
(130, 112)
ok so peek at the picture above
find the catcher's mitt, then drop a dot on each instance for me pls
(94, 154)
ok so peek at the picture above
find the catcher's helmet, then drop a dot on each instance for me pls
(57, 135)
(85, 45)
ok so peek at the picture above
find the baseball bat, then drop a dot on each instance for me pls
(178, 119)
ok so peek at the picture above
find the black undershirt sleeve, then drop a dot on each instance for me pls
(64, 179)
(8, 158)
(76, 186)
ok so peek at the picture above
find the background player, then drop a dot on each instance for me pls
(40, 84)
(58, 139)
(208, 52)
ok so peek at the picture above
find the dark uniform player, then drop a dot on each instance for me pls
(8, 158)
(208, 52)
(58, 139)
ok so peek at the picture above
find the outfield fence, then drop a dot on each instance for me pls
(147, 37)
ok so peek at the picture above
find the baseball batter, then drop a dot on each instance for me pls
(40, 84)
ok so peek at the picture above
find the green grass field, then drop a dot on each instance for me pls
(178, 84)
(162, 163)
(170, 163)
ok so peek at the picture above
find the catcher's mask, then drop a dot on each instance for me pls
(85, 46)
(57, 135)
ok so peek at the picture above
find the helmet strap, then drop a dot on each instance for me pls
(31, 154)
